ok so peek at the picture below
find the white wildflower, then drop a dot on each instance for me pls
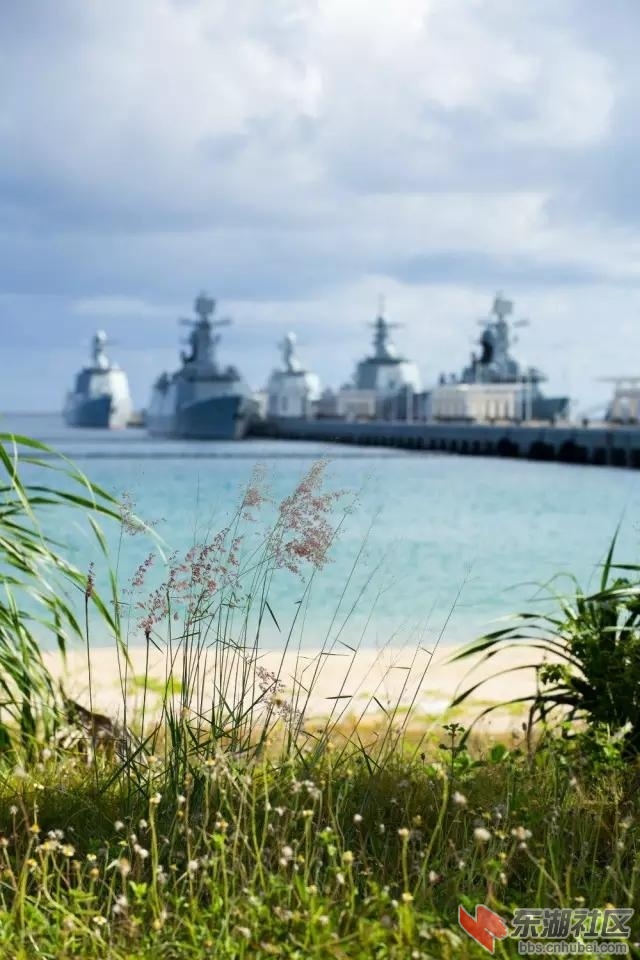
(521, 833)
(481, 835)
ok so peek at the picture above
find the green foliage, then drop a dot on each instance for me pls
(37, 583)
(229, 828)
(588, 665)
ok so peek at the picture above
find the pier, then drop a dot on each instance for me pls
(598, 445)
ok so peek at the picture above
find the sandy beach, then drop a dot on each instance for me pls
(353, 685)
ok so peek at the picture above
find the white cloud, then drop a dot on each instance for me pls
(287, 153)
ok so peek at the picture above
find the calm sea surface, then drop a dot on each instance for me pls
(446, 544)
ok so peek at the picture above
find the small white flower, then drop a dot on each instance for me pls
(481, 835)
(123, 866)
(357, 818)
(521, 833)
(459, 799)
(118, 826)
(121, 905)
(192, 866)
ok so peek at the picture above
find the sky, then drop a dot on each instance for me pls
(298, 159)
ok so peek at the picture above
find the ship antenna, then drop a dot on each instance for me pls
(382, 327)
(501, 306)
(204, 306)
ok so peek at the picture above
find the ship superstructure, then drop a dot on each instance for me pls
(494, 386)
(201, 400)
(624, 406)
(292, 391)
(384, 383)
(100, 397)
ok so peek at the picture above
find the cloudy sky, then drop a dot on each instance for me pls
(298, 158)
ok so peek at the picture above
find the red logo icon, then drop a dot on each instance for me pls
(485, 928)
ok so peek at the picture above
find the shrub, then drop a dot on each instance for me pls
(590, 665)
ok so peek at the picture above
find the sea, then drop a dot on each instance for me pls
(431, 548)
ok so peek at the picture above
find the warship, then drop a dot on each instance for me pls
(201, 401)
(384, 384)
(292, 391)
(385, 371)
(496, 366)
(101, 395)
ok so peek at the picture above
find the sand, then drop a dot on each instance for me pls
(365, 683)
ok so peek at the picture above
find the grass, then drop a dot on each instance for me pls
(217, 822)
(334, 858)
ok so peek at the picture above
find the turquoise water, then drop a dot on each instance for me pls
(448, 543)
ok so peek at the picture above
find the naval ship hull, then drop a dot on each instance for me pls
(218, 418)
(96, 412)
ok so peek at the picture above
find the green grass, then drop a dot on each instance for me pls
(335, 858)
(219, 823)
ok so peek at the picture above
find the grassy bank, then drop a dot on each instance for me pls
(339, 855)
(228, 822)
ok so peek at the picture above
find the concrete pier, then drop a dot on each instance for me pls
(599, 445)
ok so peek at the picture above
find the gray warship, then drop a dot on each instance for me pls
(201, 401)
(496, 365)
(101, 396)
